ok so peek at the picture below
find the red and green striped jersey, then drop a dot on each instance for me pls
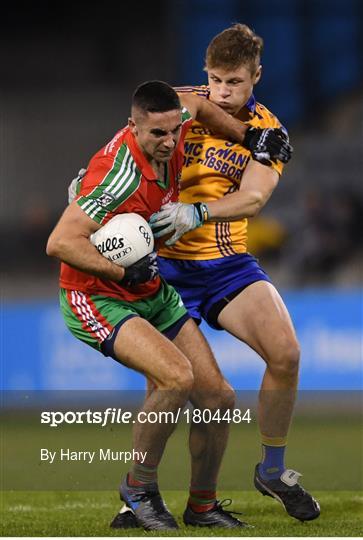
(120, 180)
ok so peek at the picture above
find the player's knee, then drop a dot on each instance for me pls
(286, 362)
(181, 379)
(292, 359)
(220, 397)
(227, 397)
(185, 381)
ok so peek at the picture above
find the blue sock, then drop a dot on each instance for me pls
(272, 465)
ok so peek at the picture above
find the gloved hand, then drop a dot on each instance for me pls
(178, 217)
(72, 188)
(141, 271)
(268, 145)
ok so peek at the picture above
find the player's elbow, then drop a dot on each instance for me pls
(54, 246)
(256, 204)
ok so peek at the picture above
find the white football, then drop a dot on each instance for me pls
(124, 240)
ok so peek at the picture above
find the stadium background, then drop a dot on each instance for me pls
(67, 75)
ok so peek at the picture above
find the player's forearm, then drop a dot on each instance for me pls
(258, 184)
(213, 117)
(235, 206)
(79, 253)
(220, 122)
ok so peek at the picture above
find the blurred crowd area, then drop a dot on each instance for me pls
(311, 231)
(68, 75)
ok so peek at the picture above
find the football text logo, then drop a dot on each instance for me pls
(145, 234)
(110, 244)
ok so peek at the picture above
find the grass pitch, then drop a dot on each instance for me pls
(78, 499)
(89, 514)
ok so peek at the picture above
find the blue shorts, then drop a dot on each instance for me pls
(206, 287)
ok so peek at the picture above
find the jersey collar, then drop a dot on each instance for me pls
(251, 104)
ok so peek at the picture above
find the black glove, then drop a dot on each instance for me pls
(141, 271)
(268, 145)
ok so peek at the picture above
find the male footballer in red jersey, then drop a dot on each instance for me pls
(131, 314)
(210, 267)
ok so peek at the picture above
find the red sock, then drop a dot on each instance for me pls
(132, 482)
(202, 500)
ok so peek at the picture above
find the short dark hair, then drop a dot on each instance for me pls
(155, 96)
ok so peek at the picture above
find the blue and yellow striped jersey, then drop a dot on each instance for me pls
(213, 167)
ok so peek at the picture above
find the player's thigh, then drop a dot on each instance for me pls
(259, 317)
(209, 383)
(139, 346)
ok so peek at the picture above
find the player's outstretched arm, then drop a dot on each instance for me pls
(70, 243)
(265, 145)
(257, 186)
(213, 117)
